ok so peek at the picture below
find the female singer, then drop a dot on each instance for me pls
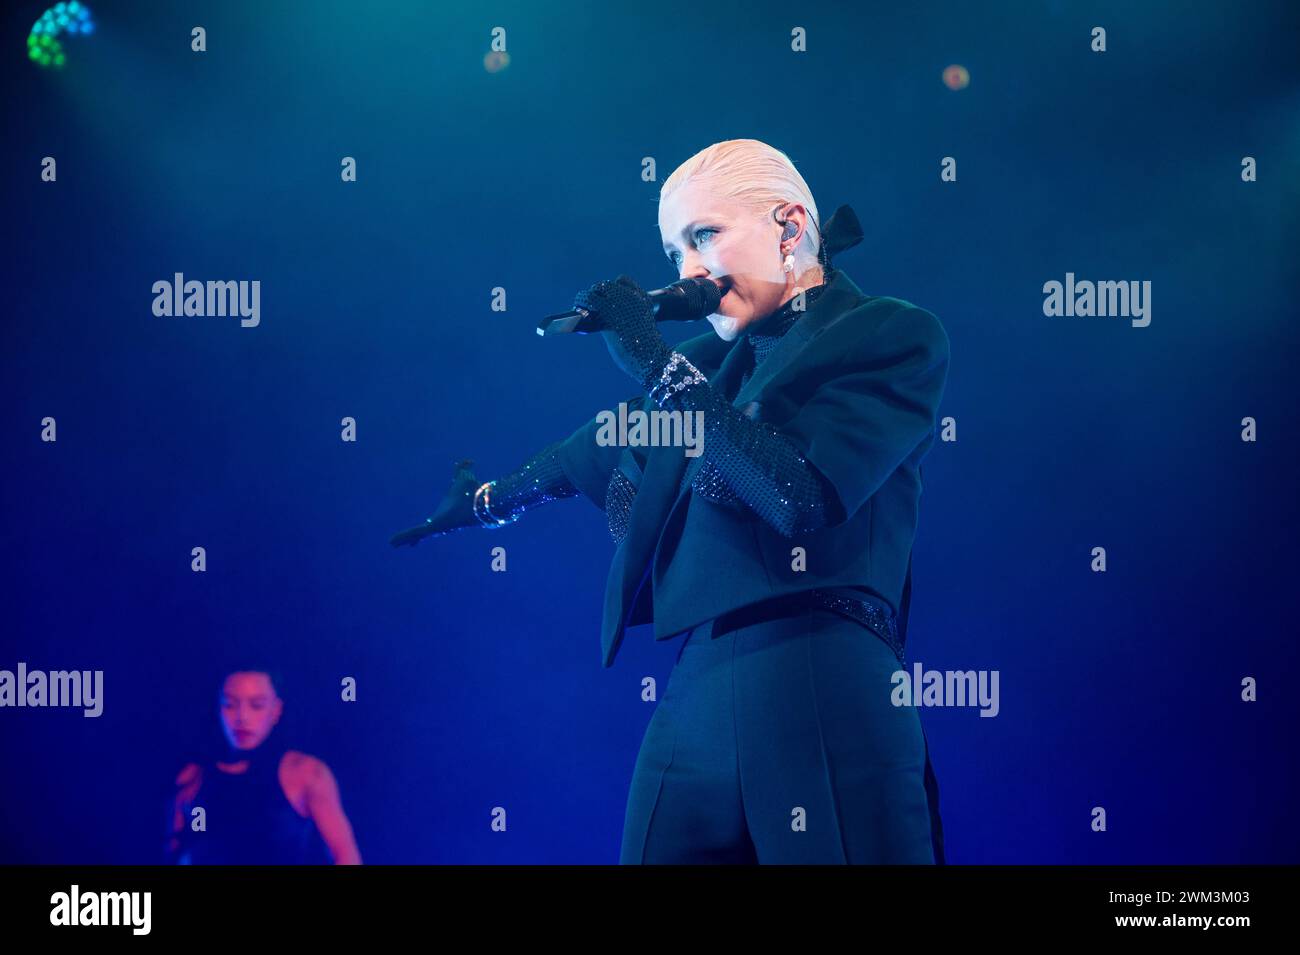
(782, 551)
(263, 804)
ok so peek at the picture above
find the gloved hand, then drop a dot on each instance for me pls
(633, 338)
(456, 510)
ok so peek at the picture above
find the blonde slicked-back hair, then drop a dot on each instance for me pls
(755, 174)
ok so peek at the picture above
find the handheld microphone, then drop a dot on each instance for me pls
(683, 301)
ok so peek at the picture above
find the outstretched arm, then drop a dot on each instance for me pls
(539, 481)
(469, 503)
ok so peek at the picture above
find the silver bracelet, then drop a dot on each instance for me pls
(483, 506)
(693, 377)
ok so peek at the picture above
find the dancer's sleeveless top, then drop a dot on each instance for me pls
(249, 820)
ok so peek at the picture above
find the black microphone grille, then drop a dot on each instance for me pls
(700, 297)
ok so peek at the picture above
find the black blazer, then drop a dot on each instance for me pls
(856, 385)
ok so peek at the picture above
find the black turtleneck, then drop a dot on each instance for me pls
(765, 335)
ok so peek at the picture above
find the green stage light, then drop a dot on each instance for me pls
(72, 18)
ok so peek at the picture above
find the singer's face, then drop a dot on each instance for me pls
(721, 239)
(250, 708)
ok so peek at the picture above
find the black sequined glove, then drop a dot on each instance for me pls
(633, 338)
(539, 481)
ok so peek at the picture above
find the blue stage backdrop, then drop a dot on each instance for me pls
(1160, 689)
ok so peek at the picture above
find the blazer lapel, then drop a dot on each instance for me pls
(829, 304)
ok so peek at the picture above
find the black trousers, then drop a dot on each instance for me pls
(776, 741)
